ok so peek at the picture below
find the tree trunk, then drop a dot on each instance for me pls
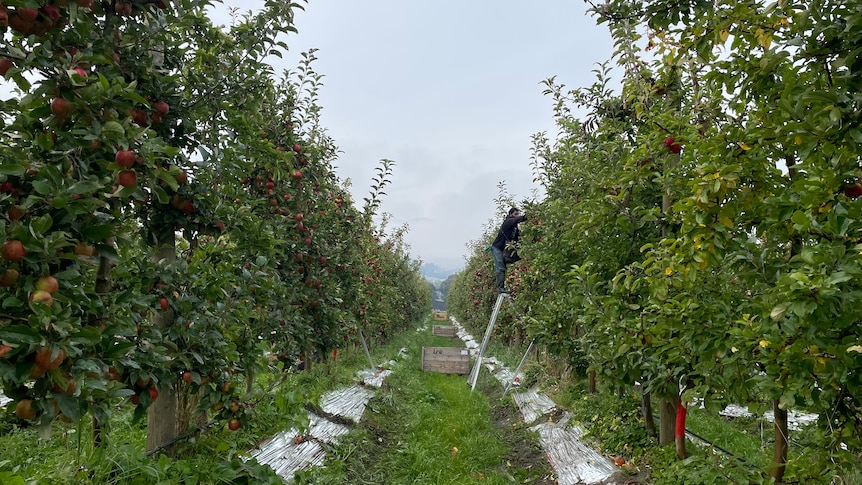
(667, 421)
(592, 381)
(162, 413)
(646, 409)
(779, 454)
(187, 414)
(667, 406)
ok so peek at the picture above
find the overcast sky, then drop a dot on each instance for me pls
(451, 91)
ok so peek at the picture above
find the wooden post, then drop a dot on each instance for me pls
(646, 409)
(667, 423)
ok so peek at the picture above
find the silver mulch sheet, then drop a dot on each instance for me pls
(348, 402)
(324, 430)
(574, 461)
(533, 405)
(505, 376)
(795, 419)
(371, 378)
(284, 455)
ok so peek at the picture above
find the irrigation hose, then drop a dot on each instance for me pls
(710, 443)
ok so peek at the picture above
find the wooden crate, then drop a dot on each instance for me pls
(447, 360)
(440, 315)
(444, 330)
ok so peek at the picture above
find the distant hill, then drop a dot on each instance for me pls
(434, 273)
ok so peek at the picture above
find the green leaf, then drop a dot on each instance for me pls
(41, 225)
(69, 405)
(779, 310)
(169, 179)
(42, 188)
(20, 334)
(12, 169)
(161, 195)
(85, 187)
(98, 232)
(113, 128)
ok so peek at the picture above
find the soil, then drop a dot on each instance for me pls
(527, 460)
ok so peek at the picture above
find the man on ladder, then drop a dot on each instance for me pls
(503, 248)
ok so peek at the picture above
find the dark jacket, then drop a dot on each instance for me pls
(508, 231)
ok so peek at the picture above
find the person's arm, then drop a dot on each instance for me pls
(510, 223)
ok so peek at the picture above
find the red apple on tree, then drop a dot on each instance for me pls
(161, 107)
(125, 158)
(28, 14)
(61, 108)
(5, 65)
(127, 178)
(297, 148)
(15, 213)
(42, 296)
(164, 304)
(138, 116)
(13, 250)
(853, 191)
(47, 283)
(25, 410)
(52, 13)
(8, 277)
(46, 358)
(233, 424)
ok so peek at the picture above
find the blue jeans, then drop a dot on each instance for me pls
(499, 267)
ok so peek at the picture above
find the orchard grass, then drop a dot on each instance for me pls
(69, 456)
(429, 428)
(419, 428)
